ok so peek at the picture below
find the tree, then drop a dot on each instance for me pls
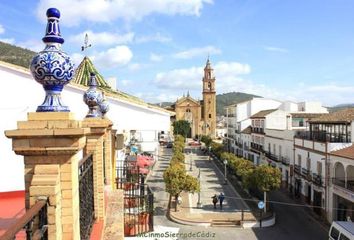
(181, 127)
(178, 156)
(207, 140)
(266, 178)
(176, 180)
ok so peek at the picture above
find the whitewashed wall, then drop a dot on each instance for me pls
(22, 94)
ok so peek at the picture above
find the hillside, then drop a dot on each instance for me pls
(15, 55)
(340, 107)
(225, 99)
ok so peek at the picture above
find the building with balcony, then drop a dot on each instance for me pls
(239, 119)
(279, 136)
(312, 168)
(341, 190)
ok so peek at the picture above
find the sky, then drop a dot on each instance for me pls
(299, 50)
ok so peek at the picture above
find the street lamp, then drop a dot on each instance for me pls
(225, 178)
(190, 162)
(209, 148)
(199, 203)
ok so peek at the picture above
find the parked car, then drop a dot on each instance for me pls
(341, 230)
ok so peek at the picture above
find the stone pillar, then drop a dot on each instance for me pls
(53, 139)
(108, 156)
(46, 184)
(98, 128)
(113, 158)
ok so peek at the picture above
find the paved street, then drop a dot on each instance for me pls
(292, 222)
(212, 182)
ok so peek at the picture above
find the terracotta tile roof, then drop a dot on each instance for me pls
(263, 113)
(307, 115)
(345, 115)
(247, 130)
(347, 152)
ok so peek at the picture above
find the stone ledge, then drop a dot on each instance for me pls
(33, 116)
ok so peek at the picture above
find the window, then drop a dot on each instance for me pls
(308, 163)
(343, 237)
(209, 85)
(299, 159)
(274, 149)
(301, 123)
(209, 115)
(334, 233)
(319, 168)
(188, 110)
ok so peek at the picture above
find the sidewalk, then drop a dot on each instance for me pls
(211, 182)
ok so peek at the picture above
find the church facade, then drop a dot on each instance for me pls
(200, 114)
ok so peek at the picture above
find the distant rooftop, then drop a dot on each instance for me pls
(347, 152)
(307, 115)
(263, 113)
(342, 116)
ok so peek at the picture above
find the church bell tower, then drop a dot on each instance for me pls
(209, 101)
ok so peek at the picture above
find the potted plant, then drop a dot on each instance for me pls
(130, 227)
(143, 218)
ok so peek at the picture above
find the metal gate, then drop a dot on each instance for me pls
(86, 194)
(138, 200)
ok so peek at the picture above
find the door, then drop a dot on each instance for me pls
(309, 194)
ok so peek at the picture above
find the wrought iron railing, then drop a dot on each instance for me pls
(285, 160)
(86, 195)
(344, 183)
(317, 179)
(35, 222)
(257, 130)
(272, 156)
(256, 147)
(297, 169)
(138, 200)
(323, 136)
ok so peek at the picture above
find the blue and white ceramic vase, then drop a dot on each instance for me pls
(93, 98)
(52, 67)
(103, 106)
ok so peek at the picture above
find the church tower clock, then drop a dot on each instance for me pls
(209, 101)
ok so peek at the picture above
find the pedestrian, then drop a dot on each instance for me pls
(221, 199)
(215, 200)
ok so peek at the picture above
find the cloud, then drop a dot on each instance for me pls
(76, 11)
(7, 40)
(276, 49)
(191, 78)
(32, 44)
(194, 52)
(153, 38)
(102, 38)
(135, 66)
(77, 58)
(155, 57)
(2, 29)
(157, 97)
(113, 57)
(125, 82)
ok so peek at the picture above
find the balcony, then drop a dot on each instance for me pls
(322, 136)
(306, 173)
(285, 160)
(341, 183)
(257, 130)
(317, 179)
(297, 169)
(272, 156)
(256, 147)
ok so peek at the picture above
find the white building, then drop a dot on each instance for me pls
(238, 119)
(341, 191)
(311, 170)
(22, 94)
